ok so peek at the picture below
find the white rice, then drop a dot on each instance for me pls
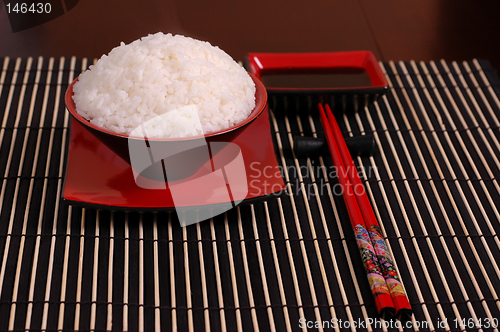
(160, 73)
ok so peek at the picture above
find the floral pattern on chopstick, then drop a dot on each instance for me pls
(385, 262)
(375, 277)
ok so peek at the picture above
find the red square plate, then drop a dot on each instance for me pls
(328, 72)
(348, 81)
(97, 177)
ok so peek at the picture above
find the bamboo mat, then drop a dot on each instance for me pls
(287, 264)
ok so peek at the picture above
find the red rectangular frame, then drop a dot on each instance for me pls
(261, 64)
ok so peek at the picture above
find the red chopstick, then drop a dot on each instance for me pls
(398, 295)
(380, 291)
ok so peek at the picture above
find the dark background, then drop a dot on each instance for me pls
(420, 30)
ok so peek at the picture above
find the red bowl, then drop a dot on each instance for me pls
(185, 158)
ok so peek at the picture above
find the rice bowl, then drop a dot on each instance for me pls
(119, 143)
(161, 73)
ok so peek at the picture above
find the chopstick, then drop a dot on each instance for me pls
(380, 291)
(389, 294)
